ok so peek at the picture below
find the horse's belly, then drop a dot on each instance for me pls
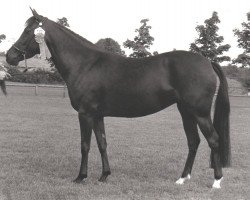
(139, 105)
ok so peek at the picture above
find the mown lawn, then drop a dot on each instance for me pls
(40, 154)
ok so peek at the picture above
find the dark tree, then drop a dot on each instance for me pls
(142, 42)
(242, 59)
(108, 44)
(63, 21)
(243, 40)
(209, 43)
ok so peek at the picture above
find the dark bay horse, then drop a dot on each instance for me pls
(104, 84)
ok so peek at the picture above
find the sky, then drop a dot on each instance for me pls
(173, 21)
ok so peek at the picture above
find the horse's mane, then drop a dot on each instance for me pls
(32, 20)
(90, 44)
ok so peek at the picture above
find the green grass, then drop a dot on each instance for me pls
(40, 154)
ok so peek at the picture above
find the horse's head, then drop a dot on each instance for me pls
(25, 46)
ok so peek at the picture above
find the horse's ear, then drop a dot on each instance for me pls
(36, 15)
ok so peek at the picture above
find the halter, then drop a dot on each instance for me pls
(24, 56)
(24, 52)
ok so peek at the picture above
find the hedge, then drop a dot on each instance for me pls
(240, 74)
(39, 76)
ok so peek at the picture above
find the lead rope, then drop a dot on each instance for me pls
(24, 56)
(25, 61)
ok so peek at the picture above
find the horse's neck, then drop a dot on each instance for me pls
(68, 51)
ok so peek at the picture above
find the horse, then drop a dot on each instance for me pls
(102, 84)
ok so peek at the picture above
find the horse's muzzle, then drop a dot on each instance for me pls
(11, 60)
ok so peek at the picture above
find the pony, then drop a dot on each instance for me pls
(104, 84)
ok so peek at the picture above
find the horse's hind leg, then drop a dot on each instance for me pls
(190, 127)
(208, 130)
(99, 131)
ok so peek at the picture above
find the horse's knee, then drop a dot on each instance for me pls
(85, 149)
(102, 147)
(213, 142)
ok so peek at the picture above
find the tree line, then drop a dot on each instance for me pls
(207, 43)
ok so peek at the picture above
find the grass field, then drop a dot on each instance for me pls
(40, 154)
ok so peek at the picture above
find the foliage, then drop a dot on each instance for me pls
(2, 37)
(243, 40)
(38, 76)
(2, 53)
(108, 44)
(63, 21)
(142, 42)
(235, 87)
(209, 43)
(231, 71)
(240, 74)
(244, 77)
(243, 59)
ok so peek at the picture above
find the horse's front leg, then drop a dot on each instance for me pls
(86, 125)
(99, 131)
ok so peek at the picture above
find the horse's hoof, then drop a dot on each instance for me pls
(216, 184)
(104, 176)
(80, 179)
(181, 181)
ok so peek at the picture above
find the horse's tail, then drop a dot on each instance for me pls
(221, 118)
(3, 87)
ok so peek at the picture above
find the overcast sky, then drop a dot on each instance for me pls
(173, 21)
